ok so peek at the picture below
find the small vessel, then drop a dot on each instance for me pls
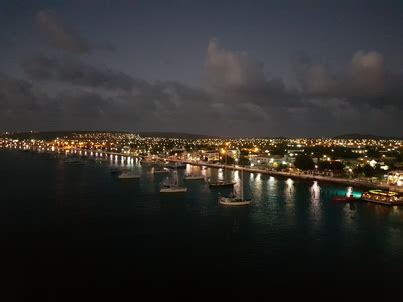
(148, 160)
(159, 170)
(389, 198)
(193, 176)
(221, 184)
(128, 175)
(115, 171)
(72, 160)
(344, 199)
(234, 200)
(177, 165)
(173, 188)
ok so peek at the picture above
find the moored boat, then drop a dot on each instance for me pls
(172, 189)
(344, 199)
(159, 170)
(221, 184)
(128, 175)
(193, 177)
(177, 165)
(389, 198)
(233, 200)
(73, 160)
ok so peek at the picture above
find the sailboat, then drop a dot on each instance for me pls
(190, 176)
(222, 183)
(128, 175)
(233, 200)
(173, 188)
(159, 170)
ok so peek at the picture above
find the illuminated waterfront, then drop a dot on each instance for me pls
(71, 217)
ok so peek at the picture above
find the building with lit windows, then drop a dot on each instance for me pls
(396, 178)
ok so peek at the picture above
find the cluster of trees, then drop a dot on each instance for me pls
(229, 160)
(369, 171)
(280, 166)
(330, 165)
(243, 159)
(336, 152)
(280, 149)
(305, 162)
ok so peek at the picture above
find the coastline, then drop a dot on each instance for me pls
(329, 179)
(302, 176)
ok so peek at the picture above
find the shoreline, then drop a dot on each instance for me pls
(327, 179)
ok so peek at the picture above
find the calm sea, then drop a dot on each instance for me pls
(66, 226)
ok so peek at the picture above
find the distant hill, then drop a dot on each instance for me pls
(50, 135)
(175, 135)
(363, 136)
(45, 135)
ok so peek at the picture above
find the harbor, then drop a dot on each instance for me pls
(171, 163)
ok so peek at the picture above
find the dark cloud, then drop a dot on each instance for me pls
(238, 99)
(161, 94)
(314, 79)
(59, 35)
(365, 80)
(238, 78)
(17, 95)
(76, 72)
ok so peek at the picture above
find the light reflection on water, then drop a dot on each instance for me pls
(315, 204)
(289, 191)
(287, 217)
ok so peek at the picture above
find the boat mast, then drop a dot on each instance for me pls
(176, 173)
(242, 185)
(225, 167)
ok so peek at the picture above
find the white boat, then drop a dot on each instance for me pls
(128, 175)
(159, 171)
(173, 188)
(193, 177)
(234, 200)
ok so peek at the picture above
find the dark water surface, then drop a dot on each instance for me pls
(65, 227)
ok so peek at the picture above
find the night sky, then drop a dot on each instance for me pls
(231, 68)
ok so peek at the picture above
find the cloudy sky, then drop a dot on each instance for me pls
(232, 68)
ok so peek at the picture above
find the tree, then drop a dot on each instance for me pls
(304, 162)
(280, 166)
(369, 171)
(230, 160)
(373, 153)
(279, 149)
(244, 161)
(330, 165)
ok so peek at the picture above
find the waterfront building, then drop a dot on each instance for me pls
(261, 159)
(210, 155)
(396, 178)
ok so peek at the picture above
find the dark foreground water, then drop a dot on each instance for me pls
(67, 227)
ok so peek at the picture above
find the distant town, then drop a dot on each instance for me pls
(371, 162)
